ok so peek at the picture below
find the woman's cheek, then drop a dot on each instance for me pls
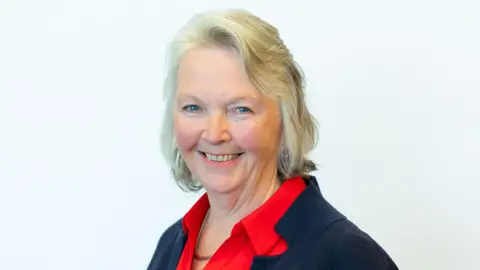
(248, 135)
(257, 133)
(186, 133)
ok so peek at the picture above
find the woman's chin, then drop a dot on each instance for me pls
(220, 184)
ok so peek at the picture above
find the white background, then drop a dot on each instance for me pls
(394, 84)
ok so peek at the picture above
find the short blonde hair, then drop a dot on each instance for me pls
(270, 67)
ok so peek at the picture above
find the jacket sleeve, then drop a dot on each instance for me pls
(360, 252)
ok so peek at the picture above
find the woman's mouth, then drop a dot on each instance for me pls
(220, 158)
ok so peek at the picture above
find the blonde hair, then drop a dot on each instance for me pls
(270, 67)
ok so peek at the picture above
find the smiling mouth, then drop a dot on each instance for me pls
(220, 158)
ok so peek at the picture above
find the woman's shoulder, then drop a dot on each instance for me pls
(171, 235)
(170, 244)
(326, 238)
(354, 248)
(341, 245)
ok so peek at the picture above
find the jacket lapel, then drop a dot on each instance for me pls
(310, 214)
(177, 250)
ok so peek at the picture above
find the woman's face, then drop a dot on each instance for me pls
(227, 131)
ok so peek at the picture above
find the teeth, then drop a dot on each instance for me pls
(220, 158)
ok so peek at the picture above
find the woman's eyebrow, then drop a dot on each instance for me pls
(183, 97)
(228, 100)
(242, 99)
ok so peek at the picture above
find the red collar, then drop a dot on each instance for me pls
(260, 224)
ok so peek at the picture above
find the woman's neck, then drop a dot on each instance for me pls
(228, 209)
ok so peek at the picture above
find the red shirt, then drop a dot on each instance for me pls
(254, 235)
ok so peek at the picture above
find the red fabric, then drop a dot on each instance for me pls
(253, 236)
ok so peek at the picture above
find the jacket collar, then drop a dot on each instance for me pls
(309, 214)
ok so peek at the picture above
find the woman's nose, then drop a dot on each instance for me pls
(216, 130)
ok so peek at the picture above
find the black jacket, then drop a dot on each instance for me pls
(318, 238)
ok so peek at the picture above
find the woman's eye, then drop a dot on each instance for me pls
(191, 108)
(243, 110)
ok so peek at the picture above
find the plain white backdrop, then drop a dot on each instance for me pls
(394, 85)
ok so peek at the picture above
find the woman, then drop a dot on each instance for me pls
(237, 126)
